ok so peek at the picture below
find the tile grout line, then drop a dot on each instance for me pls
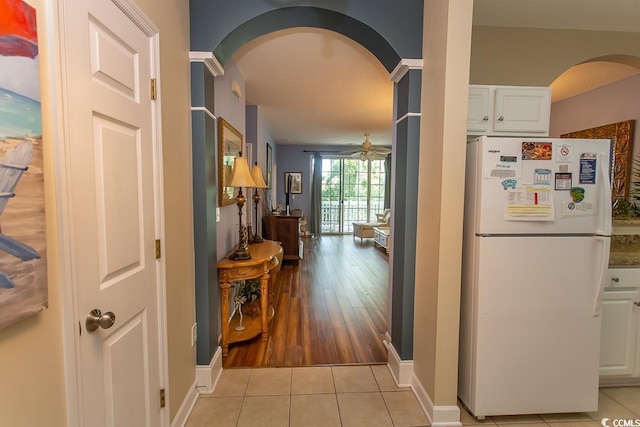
(620, 403)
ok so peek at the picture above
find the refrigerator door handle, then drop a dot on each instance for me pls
(605, 184)
(604, 265)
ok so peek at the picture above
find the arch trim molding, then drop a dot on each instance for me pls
(306, 16)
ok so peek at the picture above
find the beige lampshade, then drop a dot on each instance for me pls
(256, 174)
(240, 176)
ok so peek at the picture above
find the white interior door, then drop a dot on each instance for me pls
(112, 208)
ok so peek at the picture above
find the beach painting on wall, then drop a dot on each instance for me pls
(23, 269)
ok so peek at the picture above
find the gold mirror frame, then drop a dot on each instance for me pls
(622, 135)
(229, 147)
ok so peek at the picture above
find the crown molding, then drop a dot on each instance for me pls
(403, 67)
(210, 61)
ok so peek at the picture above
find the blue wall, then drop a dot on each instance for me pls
(205, 195)
(259, 136)
(399, 23)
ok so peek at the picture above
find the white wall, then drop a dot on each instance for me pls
(613, 103)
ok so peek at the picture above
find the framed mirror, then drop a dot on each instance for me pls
(229, 147)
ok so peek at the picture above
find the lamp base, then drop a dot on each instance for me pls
(256, 239)
(240, 255)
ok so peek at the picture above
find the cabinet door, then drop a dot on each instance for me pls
(479, 110)
(619, 331)
(287, 231)
(522, 110)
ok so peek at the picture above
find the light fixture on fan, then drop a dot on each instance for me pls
(367, 155)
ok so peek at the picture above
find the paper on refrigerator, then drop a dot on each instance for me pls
(530, 203)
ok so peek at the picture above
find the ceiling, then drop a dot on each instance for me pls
(317, 87)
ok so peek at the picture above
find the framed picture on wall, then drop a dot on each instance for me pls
(269, 154)
(293, 182)
(23, 265)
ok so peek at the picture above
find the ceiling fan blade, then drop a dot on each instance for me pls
(355, 150)
(381, 150)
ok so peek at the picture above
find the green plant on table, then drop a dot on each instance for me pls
(630, 206)
(248, 292)
(634, 192)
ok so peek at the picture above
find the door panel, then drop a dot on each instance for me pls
(113, 62)
(125, 366)
(619, 331)
(117, 198)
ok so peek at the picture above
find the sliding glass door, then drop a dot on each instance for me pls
(352, 191)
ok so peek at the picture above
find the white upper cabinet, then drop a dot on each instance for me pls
(479, 109)
(508, 110)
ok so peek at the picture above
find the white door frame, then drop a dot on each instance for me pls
(71, 320)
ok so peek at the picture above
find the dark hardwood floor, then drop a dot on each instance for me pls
(330, 309)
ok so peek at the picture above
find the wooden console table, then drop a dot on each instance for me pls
(264, 257)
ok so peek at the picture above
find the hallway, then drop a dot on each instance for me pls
(330, 309)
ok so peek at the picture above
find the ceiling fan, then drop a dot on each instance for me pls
(367, 151)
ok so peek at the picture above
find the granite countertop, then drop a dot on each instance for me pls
(625, 250)
(625, 222)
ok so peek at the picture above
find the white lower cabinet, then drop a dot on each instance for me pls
(619, 344)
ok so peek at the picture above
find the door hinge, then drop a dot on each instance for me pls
(158, 249)
(163, 401)
(154, 90)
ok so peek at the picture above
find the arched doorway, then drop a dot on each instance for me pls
(406, 75)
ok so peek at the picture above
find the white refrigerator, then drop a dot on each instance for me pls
(537, 229)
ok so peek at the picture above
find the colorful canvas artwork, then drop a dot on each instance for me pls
(23, 270)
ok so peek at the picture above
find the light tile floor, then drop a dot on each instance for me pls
(344, 396)
(613, 403)
(359, 396)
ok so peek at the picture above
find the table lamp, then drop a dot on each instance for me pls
(240, 177)
(256, 174)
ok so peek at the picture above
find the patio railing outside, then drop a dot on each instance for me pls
(352, 211)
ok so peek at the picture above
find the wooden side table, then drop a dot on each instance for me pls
(264, 257)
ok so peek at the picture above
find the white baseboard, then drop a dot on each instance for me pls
(207, 375)
(619, 382)
(439, 416)
(206, 379)
(401, 370)
(180, 420)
